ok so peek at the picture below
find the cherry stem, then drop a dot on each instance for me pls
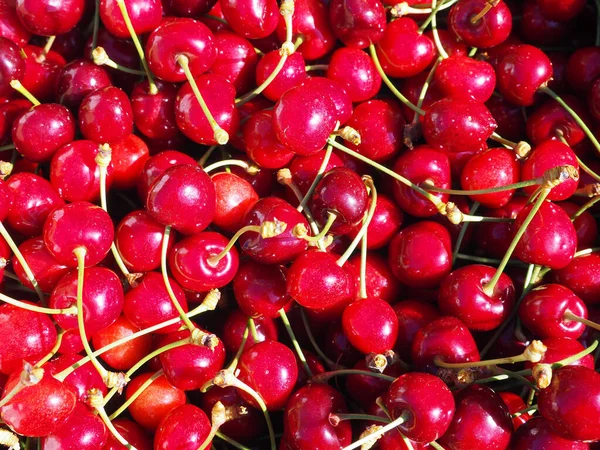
(362, 292)
(508, 187)
(476, 18)
(46, 49)
(326, 157)
(436, 445)
(403, 9)
(152, 85)
(561, 137)
(101, 58)
(299, 352)
(9, 439)
(587, 205)
(521, 148)
(575, 357)
(206, 155)
(96, 23)
(15, 249)
(220, 135)
(390, 426)
(39, 309)
(313, 342)
(366, 221)
(331, 217)
(326, 376)
(336, 418)
(53, 351)
(389, 83)
(17, 86)
(463, 231)
(250, 168)
(425, 88)
(569, 315)
(534, 352)
(574, 115)
(322, 67)
(436, 37)
(236, 359)
(439, 7)
(135, 395)
(163, 268)
(231, 442)
(525, 411)
(253, 331)
(97, 402)
(7, 147)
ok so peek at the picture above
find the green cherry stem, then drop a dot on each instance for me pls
(463, 231)
(299, 352)
(326, 376)
(371, 437)
(534, 352)
(331, 364)
(231, 442)
(508, 187)
(101, 58)
(17, 86)
(250, 168)
(135, 395)
(587, 205)
(97, 402)
(39, 309)
(439, 7)
(436, 36)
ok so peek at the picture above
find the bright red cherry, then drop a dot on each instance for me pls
(262, 144)
(156, 165)
(12, 66)
(235, 326)
(559, 348)
(371, 325)
(47, 18)
(105, 116)
(488, 31)
(582, 276)
(132, 432)
(292, 74)
(77, 79)
(251, 19)
(128, 158)
(550, 120)
(465, 78)
(235, 196)
(386, 222)
(154, 114)
(186, 426)
(145, 16)
(46, 270)
(236, 60)
(41, 72)
(356, 72)
(357, 24)
(81, 380)
(11, 27)
(82, 430)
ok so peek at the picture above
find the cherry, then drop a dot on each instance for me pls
(188, 8)
(550, 120)
(144, 16)
(38, 409)
(384, 224)
(75, 173)
(543, 310)
(427, 403)
(46, 270)
(515, 404)
(82, 430)
(182, 197)
(479, 408)
(9, 112)
(291, 74)
(552, 246)
(485, 31)
(12, 66)
(562, 11)
(537, 434)
(41, 72)
(156, 165)
(583, 67)
(284, 247)
(380, 124)
(402, 51)
(105, 115)
(464, 78)
(148, 303)
(154, 114)
(262, 144)
(509, 117)
(356, 72)
(155, 402)
(365, 389)
(11, 27)
(521, 72)
(46, 19)
(190, 366)
(235, 196)
(180, 36)
(128, 158)
(77, 79)
(446, 338)
(581, 276)
(29, 337)
(76, 225)
(457, 125)
(335, 90)
(559, 348)
(371, 325)
(186, 426)
(570, 404)
(132, 432)
(306, 418)
(236, 60)
(235, 326)
(251, 20)
(304, 130)
(423, 164)
(357, 24)
(412, 316)
(81, 380)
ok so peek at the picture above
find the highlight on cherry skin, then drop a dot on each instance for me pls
(299, 224)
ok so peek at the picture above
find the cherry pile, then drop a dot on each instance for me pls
(299, 225)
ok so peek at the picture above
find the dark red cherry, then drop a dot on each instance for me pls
(76, 225)
(9, 112)
(463, 294)
(357, 24)
(12, 66)
(145, 16)
(183, 197)
(561, 10)
(37, 410)
(292, 74)
(386, 222)
(570, 404)
(412, 316)
(154, 114)
(47, 18)
(427, 402)
(403, 52)
(582, 276)
(236, 60)
(105, 116)
(371, 325)
(364, 388)
(41, 72)
(537, 434)
(77, 79)
(356, 72)
(521, 72)
(11, 27)
(180, 36)
(262, 144)
(188, 8)
(550, 239)
(186, 426)
(550, 119)
(46, 270)
(156, 165)
(33, 198)
(583, 67)
(29, 337)
(148, 303)
(543, 310)
(481, 420)
(509, 117)
(465, 78)
(490, 30)
(446, 338)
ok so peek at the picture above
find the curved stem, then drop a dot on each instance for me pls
(338, 417)
(320, 173)
(265, 84)
(214, 259)
(325, 376)
(425, 88)
(53, 351)
(136, 394)
(232, 162)
(508, 187)
(369, 438)
(206, 155)
(587, 169)
(312, 340)
(38, 309)
(441, 6)
(253, 331)
(299, 352)
(112, 429)
(436, 36)
(476, 18)
(101, 58)
(575, 357)
(331, 217)
(234, 362)
(490, 362)
(587, 205)
(231, 442)
(575, 318)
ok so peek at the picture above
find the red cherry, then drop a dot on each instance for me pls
(464, 78)
(82, 430)
(145, 16)
(132, 432)
(41, 72)
(48, 19)
(385, 223)
(550, 119)
(186, 426)
(356, 72)
(537, 434)
(515, 404)
(582, 276)
(77, 79)
(509, 117)
(371, 325)
(154, 114)
(561, 10)
(292, 74)
(235, 326)
(156, 165)
(235, 196)
(488, 31)
(105, 115)
(236, 60)
(9, 112)
(357, 24)
(81, 380)
(251, 19)
(11, 27)
(583, 67)
(12, 66)
(46, 270)
(559, 348)
(262, 144)
(128, 158)
(412, 316)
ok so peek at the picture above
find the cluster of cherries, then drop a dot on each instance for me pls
(297, 226)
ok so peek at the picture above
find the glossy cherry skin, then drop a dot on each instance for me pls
(335, 90)
(559, 348)
(446, 338)
(412, 316)
(235, 196)
(155, 402)
(521, 72)
(148, 303)
(262, 144)
(154, 114)
(582, 276)
(380, 125)
(571, 403)
(462, 295)
(12, 66)
(481, 420)
(583, 67)
(356, 72)
(251, 19)
(46, 19)
(371, 325)
(37, 410)
(77, 79)
(183, 197)
(189, 261)
(185, 427)
(105, 116)
(465, 78)
(386, 222)
(7, 198)
(102, 299)
(402, 51)
(428, 402)
(303, 120)
(457, 125)
(381, 282)
(489, 31)
(236, 60)
(128, 158)
(542, 311)
(41, 72)
(316, 282)
(515, 404)
(292, 74)
(537, 434)
(82, 430)
(46, 270)
(75, 225)
(235, 326)
(30, 336)
(180, 36)
(510, 120)
(145, 16)
(9, 112)
(420, 165)
(357, 24)
(131, 431)
(420, 255)
(11, 27)
(306, 419)
(552, 246)
(188, 8)
(156, 165)
(282, 248)
(33, 198)
(550, 118)
(81, 380)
